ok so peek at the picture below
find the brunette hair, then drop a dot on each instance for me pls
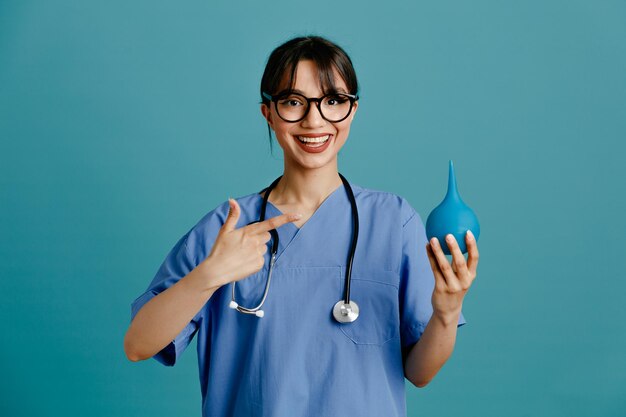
(326, 55)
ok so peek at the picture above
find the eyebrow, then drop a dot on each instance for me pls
(340, 90)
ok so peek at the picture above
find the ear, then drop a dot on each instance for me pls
(353, 113)
(267, 114)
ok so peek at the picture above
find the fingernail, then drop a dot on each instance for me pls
(449, 238)
(296, 216)
(434, 241)
(470, 235)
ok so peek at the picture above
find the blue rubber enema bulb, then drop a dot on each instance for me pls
(452, 216)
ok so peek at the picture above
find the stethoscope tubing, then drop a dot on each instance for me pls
(355, 238)
(340, 311)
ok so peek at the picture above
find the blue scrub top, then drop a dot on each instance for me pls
(297, 360)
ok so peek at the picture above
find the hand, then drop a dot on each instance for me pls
(451, 281)
(238, 253)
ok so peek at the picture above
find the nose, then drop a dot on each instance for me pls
(313, 118)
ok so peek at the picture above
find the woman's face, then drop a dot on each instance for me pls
(291, 136)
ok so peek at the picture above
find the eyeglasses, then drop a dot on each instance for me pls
(293, 107)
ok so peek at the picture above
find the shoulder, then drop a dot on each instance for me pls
(385, 202)
(217, 216)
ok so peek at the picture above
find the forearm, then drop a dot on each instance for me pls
(162, 318)
(433, 349)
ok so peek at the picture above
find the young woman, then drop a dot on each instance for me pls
(309, 297)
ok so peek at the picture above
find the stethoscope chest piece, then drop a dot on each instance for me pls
(346, 313)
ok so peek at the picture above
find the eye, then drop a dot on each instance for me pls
(291, 101)
(335, 100)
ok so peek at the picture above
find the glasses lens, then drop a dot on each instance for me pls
(291, 107)
(334, 107)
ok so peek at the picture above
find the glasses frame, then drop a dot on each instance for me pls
(352, 97)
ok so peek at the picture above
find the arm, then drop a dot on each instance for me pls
(452, 281)
(235, 254)
(166, 315)
(428, 355)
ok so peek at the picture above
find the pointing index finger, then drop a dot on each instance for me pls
(273, 223)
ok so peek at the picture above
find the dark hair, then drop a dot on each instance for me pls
(327, 57)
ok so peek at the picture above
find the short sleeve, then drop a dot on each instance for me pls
(417, 283)
(177, 264)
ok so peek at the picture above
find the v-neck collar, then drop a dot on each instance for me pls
(328, 197)
(289, 232)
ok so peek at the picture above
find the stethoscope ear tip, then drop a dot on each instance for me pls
(233, 305)
(259, 313)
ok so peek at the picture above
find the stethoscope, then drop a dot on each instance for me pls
(345, 310)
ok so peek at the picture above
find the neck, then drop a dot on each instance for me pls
(306, 187)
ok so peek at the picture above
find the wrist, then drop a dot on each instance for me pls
(207, 275)
(447, 319)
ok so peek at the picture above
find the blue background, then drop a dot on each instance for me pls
(122, 123)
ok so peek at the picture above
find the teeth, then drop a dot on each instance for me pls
(320, 139)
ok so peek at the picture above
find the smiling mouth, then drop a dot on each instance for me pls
(313, 142)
